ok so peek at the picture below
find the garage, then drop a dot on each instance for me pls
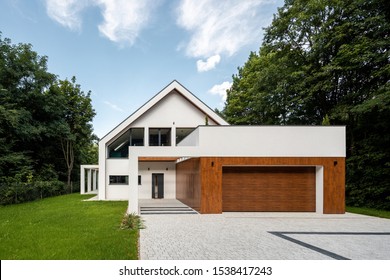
(268, 189)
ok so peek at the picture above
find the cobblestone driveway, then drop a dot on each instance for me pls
(264, 236)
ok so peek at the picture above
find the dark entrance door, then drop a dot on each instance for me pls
(157, 185)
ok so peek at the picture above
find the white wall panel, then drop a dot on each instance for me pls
(117, 192)
(172, 110)
(283, 141)
(146, 169)
(116, 167)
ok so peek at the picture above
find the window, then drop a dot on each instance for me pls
(137, 136)
(120, 147)
(182, 133)
(139, 180)
(159, 137)
(119, 180)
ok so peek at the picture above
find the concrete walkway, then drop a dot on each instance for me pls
(265, 236)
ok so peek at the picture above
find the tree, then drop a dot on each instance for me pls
(78, 116)
(42, 121)
(30, 109)
(326, 60)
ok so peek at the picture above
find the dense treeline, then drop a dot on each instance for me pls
(326, 62)
(45, 127)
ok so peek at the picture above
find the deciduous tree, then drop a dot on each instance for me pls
(326, 61)
(42, 121)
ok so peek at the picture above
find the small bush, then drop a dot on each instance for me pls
(132, 221)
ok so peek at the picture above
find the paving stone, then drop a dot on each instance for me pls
(247, 236)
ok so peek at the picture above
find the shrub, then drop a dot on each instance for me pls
(13, 190)
(132, 221)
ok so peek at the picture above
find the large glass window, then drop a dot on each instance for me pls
(159, 136)
(120, 147)
(182, 133)
(136, 136)
(119, 180)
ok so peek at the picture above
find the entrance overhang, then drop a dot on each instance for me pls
(157, 159)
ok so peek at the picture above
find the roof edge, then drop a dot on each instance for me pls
(159, 96)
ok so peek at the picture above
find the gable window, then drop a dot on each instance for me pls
(159, 136)
(120, 147)
(182, 133)
(119, 180)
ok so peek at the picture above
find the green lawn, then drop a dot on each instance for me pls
(66, 228)
(369, 212)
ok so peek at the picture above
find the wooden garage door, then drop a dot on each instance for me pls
(268, 189)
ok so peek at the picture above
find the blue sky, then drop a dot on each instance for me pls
(125, 51)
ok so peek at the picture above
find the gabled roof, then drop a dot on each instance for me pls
(174, 85)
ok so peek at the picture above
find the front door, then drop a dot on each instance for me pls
(157, 185)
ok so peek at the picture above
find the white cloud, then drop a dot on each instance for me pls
(221, 89)
(66, 12)
(122, 19)
(220, 27)
(113, 106)
(209, 64)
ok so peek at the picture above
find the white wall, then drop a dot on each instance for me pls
(319, 189)
(146, 169)
(116, 167)
(191, 140)
(117, 192)
(172, 111)
(102, 171)
(283, 141)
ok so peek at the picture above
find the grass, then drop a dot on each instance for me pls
(66, 228)
(369, 212)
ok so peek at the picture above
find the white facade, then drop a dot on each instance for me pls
(284, 141)
(174, 108)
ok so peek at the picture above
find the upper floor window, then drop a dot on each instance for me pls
(182, 133)
(137, 136)
(159, 136)
(120, 147)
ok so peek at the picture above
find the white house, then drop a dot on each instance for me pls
(175, 146)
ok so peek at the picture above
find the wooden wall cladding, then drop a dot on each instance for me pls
(211, 183)
(211, 178)
(188, 187)
(273, 189)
